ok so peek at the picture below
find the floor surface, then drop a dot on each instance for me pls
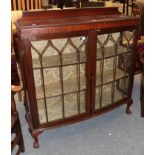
(113, 133)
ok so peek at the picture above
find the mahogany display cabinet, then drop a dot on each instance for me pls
(75, 64)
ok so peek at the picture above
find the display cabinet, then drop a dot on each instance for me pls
(75, 64)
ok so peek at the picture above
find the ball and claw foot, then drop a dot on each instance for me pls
(35, 136)
(35, 144)
(129, 103)
(128, 111)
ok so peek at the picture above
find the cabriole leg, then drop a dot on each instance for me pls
(35, 136)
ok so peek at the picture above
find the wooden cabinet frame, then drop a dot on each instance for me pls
(90, 23)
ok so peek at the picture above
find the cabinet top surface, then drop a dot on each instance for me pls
(56, 18)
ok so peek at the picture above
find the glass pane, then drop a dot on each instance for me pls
(97, 98)
(59, 68)
(38, 83)
(121, 89)
(82, 101)
(52, 81)
(128, 37)
(113, 67)
(109, 45)
(104, 71)
(103, 96)
(54, 108)
(71, 104)
(50, 57)
(82, 78)
(41, 111)
(70, 81)
(107, 94)
(124, 63)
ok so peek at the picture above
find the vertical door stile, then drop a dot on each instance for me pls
(133, 59)
(91, 69)
(126, 68)
(30, 82)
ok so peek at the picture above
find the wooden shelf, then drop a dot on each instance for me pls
(54, 60)
(109, 77)
(110, 52)
(70, 85)
(71, 58)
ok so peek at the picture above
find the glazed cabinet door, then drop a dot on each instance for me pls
(113, 67)
(60, 77)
